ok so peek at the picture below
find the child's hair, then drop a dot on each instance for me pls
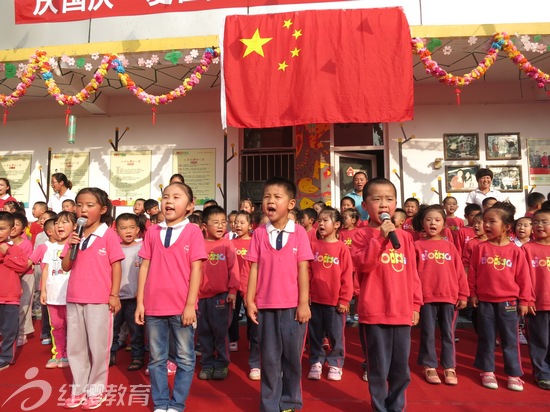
(194, 218)
(484, 172)
(103, 201)
(243, 201)
(506, 210)
(477, 217)
(7, 182)
(322, 204)
(49, 214)
(247, 216)
(6, 216)
(518, 220)
(418, 219)
(449, 198)
(16, 206)
(352, 212)
(127, 216)
(471, 207)
(232, 213)
(295, 213)
(150, 203)
(377, 181)
(139, 199)
(70, 216)
(287, 185)
(42, 204)
(534, 199)
(22, 218)
(545, 205)
(333, 213)
(179, 178)
(400, 210)
(49, 224)
(310, 213)
(486, 201)
(210, 202)
(186, 189)
(414, 200)
(142, 222)
(70, 201)
(351, 199)
(60, 177)
(210, 211)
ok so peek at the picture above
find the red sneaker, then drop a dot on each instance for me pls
(94, 402)
(74, 401)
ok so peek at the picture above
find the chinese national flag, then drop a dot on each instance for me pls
(317, 66)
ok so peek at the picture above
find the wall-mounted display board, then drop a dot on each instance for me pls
(17, 169)
(75, 166)
(130, 177)
(198, 167)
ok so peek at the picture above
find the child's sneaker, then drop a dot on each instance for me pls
(22, 340)
(334, 373)
(94, 402)
(255, 374)
(515, 384)
(489, 380)
(171, 368)
(233, 346)
(450, 377)
(46, 341)
(63, 363)
(206, 374)
(74, 401)
(220, 373)
(52, 364)
(315, 372)
(365, 376)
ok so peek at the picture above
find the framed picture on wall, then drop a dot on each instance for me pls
(461, 146)
(461, 178)
(507, 178)
(502, 146)
(538, 152)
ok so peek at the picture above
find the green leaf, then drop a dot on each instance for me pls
(11, 70)
(80, 62)
(433, 44)
(537, 38)
(173, 56)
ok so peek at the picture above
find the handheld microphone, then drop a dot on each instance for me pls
(392, 235)
(80, 223)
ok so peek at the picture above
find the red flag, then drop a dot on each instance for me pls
(317, 66)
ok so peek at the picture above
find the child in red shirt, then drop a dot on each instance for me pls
(452, 222)
(466, 233)
(444, 290)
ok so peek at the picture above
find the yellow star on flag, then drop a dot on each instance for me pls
(255, 43)
(297, 33)
(283, 66)
(287, 24)
(295, 52)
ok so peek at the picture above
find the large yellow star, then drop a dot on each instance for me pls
(297, 33)
(283, 66)
(295, 52)
(287, 24)
(255, 44)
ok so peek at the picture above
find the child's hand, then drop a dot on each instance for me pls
(139, 315)
(387, 227)
(189, 315)
(74, 239)
(4, 248)
(114, 304)
(532, 310)
(43, 298)
(252, 312)
(474, 301)
(342, 308)
(415, 318)
(231, 298)
(303, 313)
(461, 304)
(522, 310)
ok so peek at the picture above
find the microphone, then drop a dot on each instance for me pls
(392, 235)
(80, 223)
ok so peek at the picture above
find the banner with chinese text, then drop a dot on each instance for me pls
(73, 165)
(17, 169)
(130, 177)
(198, 167)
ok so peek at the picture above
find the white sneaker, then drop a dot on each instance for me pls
(365, 376)
(315, 372)
(22, 340)
(255, 374)
(522, 338)
(334, 373)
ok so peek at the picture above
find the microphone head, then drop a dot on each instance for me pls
(385, 216)
(81, 221)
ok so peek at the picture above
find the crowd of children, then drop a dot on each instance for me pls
(301, 276)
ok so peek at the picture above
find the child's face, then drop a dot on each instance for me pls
(346, 204)
(215, 226)
(489, 204)
(381, 198)
(411, 208)
(293, 216)
(175, 204)
(524, 228)
(242, 227)
(232, 222)
(541, 226)
(153, 211)
(246, 205)
(450, 206)
(37, 211)
(5, 230)
(159, 217)
(477, 226)
(9, 209)
(326, 226)
(17, 229)
(398, 219)
(433, 223)
(3, 188)
(276, 204)
(470, 217)
(128, 230)
(63, 228)
(306, 221)
(87, 206)
(317, 207)
(493, 225)
(67, 207)
(349, 221)
(138, 207)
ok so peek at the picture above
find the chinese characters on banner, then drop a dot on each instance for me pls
(73, 165)
(130, 177)
(17, 169)
(40, 11)
(198, 167)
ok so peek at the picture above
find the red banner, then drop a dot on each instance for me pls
(42, 11)
(318, 66)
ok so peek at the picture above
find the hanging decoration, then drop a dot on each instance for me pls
(40, 64)
(500, 42)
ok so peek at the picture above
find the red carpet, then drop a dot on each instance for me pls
(27, 385)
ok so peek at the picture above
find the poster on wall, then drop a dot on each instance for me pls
(198, 167)
(75, 166)
(17, 169)
(538, 153)
(130, 177)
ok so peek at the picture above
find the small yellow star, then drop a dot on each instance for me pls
(255, 43)
(297, 33)
(295, 52)
(287, 24)
(283, 66)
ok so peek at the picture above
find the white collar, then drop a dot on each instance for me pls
(290, 227)
(180, 225)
